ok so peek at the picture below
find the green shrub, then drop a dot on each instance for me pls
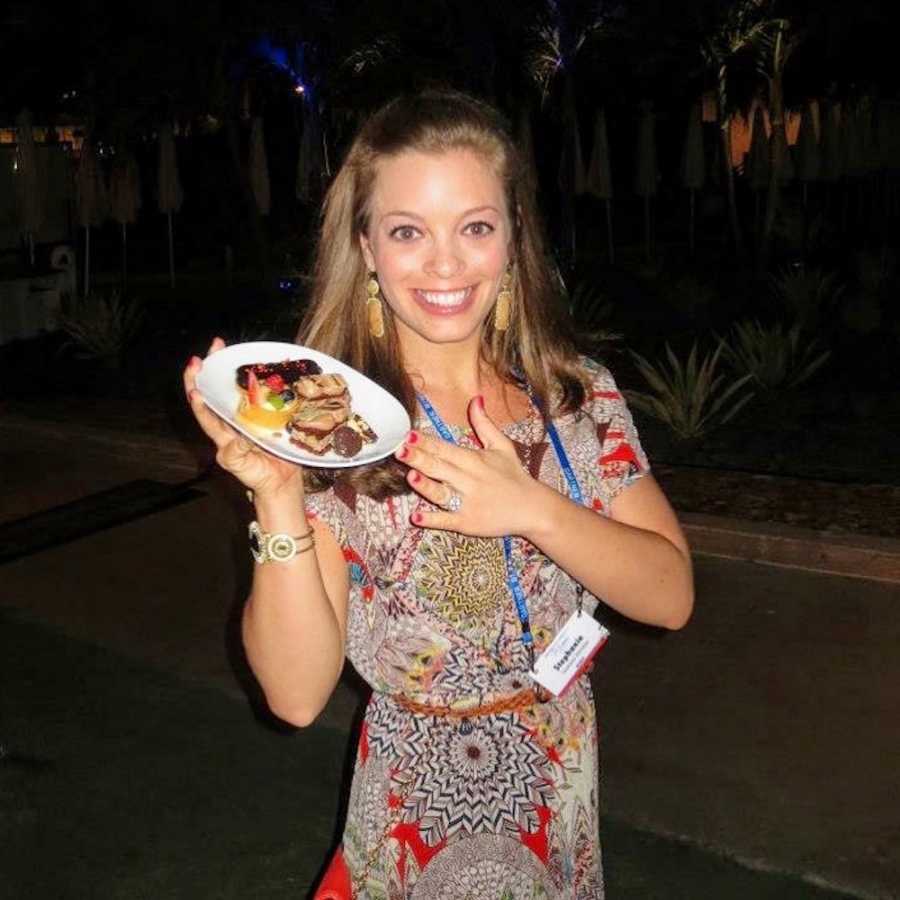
(102, 327)
(773, 357)
(808, 296)
(689, 397)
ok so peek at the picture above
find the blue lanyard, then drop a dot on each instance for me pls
(512, 577)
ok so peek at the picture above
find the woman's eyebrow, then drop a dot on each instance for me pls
(405, 214)
(402, 213)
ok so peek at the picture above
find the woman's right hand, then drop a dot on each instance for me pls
(264, 474)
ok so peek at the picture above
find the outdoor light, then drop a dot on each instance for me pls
(299, 89)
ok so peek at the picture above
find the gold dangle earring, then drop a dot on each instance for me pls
(503, 305)
(374, 310)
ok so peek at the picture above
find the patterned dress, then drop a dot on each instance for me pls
(497, 806)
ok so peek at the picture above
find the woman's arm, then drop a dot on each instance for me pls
(637, 560)
(295, 620)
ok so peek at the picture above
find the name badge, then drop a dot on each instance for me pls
(569, 653)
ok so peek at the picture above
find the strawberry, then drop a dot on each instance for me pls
(276, 383)
(254, 391)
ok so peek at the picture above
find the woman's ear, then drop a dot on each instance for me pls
(366, 248)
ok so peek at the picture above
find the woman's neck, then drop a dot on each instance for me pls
(449, 369)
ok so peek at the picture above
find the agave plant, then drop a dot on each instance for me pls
(807, 294)
(774, 357)
(102, 327)
(689, 396)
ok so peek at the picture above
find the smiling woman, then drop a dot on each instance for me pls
(439, 250)
(454, 576)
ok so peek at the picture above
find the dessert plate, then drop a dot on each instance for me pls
(217, 384)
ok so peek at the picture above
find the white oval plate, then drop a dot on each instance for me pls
(217, 383)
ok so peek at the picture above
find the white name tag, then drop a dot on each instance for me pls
(569, 653)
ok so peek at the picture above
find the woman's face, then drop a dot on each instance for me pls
(439, 238)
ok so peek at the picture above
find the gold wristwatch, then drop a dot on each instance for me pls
(280, 547)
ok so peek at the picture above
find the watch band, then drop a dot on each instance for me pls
(277, 547)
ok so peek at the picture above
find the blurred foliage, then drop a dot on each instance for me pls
(591, 311)
(809, 296)
(688, 396)
(102, 327)
(775, 357)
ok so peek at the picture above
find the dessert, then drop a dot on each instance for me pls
(266, 406)
(296, 397)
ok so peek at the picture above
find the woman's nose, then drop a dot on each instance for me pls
(444, 261)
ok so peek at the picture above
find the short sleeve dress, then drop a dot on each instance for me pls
(502, 803)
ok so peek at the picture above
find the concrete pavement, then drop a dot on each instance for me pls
(766, 730)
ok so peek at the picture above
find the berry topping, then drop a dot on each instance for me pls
(275, 382)
(254, 391)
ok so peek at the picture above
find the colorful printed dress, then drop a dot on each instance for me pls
(500, 804)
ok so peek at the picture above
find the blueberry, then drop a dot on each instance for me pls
(287, 395)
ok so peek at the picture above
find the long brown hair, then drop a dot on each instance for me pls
(537, 346)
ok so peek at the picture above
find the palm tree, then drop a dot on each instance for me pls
(693, 163)
(743, 24)
(559, 34)
(775, 44)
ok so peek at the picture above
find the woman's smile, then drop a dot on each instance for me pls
(445, 302)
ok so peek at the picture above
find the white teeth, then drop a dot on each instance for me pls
(445, 298)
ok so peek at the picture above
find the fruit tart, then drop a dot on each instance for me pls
(268, 400)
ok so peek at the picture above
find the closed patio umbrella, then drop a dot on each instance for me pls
(832, 168)
(598, 180)
(646, 171)
(259, 168)
(809, 157)
(29, 185)
(125, 200)
(693, 163)
(756, 165)
(169, 193)
(91, 199)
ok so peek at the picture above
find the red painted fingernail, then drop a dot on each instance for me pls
(481, 402)
(415, 478)
(402, 453)
(412, 437)
(416, 518)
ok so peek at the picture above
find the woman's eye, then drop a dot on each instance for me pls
(404, 232)
(479, 229)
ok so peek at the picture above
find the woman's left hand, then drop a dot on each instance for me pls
(497, 496)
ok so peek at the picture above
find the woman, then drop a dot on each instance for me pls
(432, 279)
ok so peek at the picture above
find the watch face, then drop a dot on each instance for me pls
(282, 547)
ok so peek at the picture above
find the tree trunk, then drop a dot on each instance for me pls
(609, 231)
(776, 118)
(124, 259)
(87, 258)
(171, 254)
(692, 236)
(725, 139)
(647, 250)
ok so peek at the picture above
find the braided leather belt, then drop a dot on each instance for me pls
(512, 703)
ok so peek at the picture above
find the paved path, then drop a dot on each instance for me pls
(767, 729)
